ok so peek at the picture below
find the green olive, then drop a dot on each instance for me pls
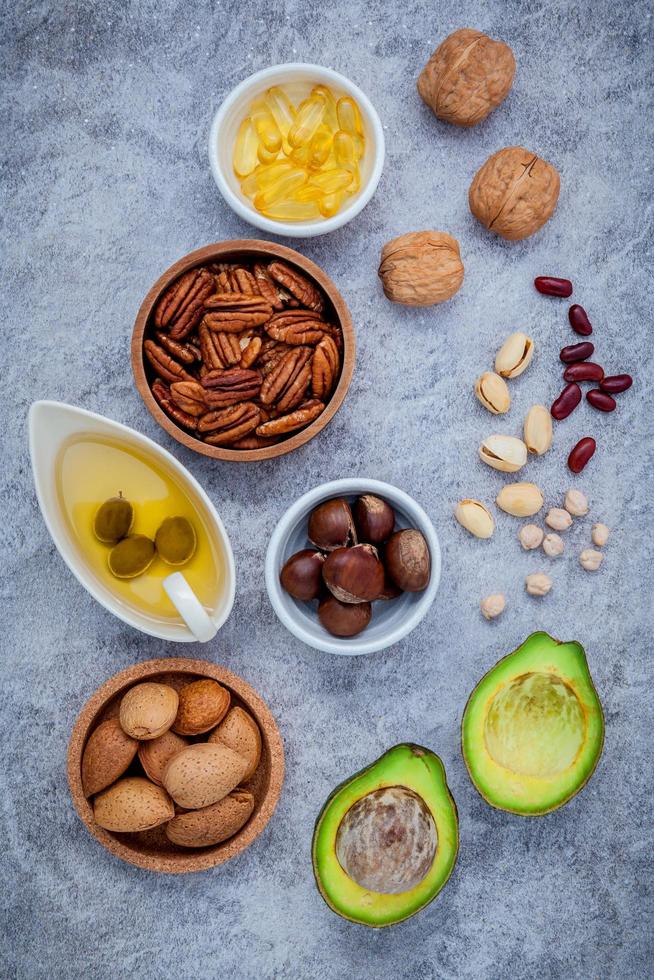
(131, 557)
(176, 541)
(113, 520)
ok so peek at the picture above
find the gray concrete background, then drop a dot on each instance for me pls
(106, 182)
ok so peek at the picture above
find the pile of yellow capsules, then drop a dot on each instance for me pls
(298, 164)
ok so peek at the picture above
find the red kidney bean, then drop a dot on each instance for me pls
(581, 453)
(577, 352)
(579, 320)
(600, 400)
(552, 286)
(616, 383)
(566, 402)
(583, 371)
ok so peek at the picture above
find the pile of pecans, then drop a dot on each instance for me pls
(243, 354)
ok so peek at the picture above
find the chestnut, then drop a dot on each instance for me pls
(374, 519)
(407, 560)
(390, 590)
(343, 618)
(354, 574)
(331, 525)
(301, 575)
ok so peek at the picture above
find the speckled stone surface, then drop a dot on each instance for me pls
(106, 182)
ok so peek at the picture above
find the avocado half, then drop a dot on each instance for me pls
(398, 809)
(533, 728)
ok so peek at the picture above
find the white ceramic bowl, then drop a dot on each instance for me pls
(51, 426)
(223, 136)
(392, 620)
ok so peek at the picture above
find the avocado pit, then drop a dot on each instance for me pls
(387, 841)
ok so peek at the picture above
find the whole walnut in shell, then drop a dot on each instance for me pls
(421, 268)
(514, 193)
(467, 77)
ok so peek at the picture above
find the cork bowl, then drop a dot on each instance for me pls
(244, 250)
(151, 849)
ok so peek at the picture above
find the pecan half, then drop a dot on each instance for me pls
(222, 427)
(231, 386)
(250, 352)
(219, 349)
(289, 379)
(165, 366)
(181, 306)
(254, 442)
(235, 312)
(271, 351)
(184, 353)
(246, 282)
(324, 368)
(296, 327)
(268, 288)
(302, 416)
(161, 393)
(297, 285)
(190, 396)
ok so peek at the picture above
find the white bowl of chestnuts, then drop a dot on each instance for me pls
(353, 566)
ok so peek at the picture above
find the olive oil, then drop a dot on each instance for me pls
(90, 470)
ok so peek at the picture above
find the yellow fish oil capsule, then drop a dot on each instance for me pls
(331, 204)
(282, 111)
(280, 189)
(320, 147)
(269, 175)
(292, 211)
(329, 117)
(308, 192)
(245, 149)
(349, 117)
(330, 181)
(308, 118)
(347, 158)
(266, 127)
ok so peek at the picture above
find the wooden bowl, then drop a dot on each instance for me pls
(234, 251)
(151, 849)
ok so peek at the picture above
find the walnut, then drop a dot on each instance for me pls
(421, 268)
(467, 77)
(514, 193)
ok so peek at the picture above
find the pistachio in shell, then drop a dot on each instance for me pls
(176, 541)
(131, 557)
(113, 520)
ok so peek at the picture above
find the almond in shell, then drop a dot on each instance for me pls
(132, 804)
(148, 710)
(107, 755)
(212, 824)
(202, 705)
(156, 753)
(240, 732)
(202, 774)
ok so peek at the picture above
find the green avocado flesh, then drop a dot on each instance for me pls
(533, 728)
(402, 808)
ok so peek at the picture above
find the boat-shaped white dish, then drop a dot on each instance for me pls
(52, 427)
